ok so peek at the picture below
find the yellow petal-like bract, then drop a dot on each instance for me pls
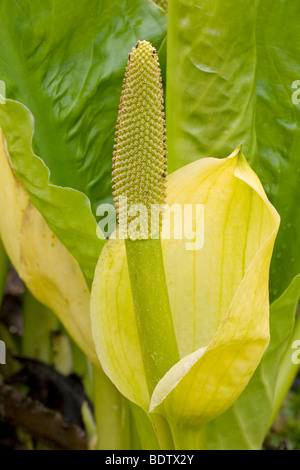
(218, 294)
(48, 269)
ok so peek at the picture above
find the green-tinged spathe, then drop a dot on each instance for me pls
(218, 295)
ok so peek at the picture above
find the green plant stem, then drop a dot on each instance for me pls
(82, 366)
(4, 268)
(38, 323)
(188, 438)
(287, 373)
(62, 354)
(162, 431)
(152, 308)
(111, 414)
(154, 319)
(142, 430)
(88, 420)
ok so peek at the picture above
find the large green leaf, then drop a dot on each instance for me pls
(278, 129)
(231, 66)
(244, 425)
(65, 61)
(211, 74)
(67, 211)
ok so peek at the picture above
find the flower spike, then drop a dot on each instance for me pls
(140, 164)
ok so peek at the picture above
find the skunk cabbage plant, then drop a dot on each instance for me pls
(180, 325)
(218, 294)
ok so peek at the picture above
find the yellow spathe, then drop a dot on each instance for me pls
(48, 269)
(218, 295)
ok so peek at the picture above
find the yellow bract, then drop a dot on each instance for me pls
(48, 269)
(218, 295)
